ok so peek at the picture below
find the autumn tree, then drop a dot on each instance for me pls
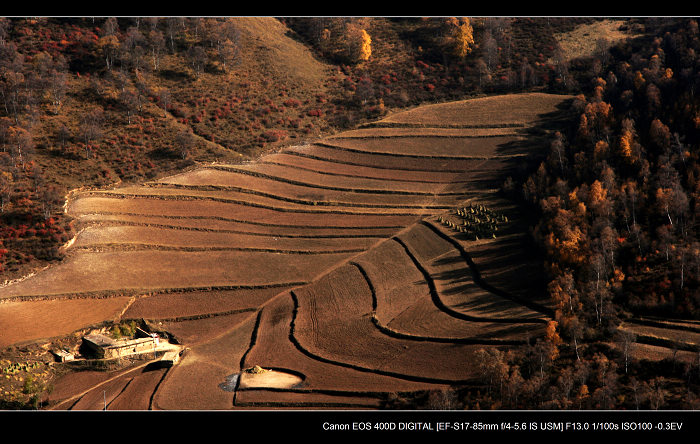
(4, 29)
(459, 37)
(484, 72)
(108, 47)
(131, 49)
(606, 378)
(63, 134)
(655, 392)
(359, 43)
(672, 202)
(493, 368)
(443, 399)
(364, 91)
(562, 289)
(528, 76)
(110, 26)
(561, 68)
(630, 197)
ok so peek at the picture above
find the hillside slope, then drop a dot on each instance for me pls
(315, 247)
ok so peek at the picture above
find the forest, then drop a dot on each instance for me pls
(617, 205)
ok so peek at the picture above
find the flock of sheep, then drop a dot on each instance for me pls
(476, 221)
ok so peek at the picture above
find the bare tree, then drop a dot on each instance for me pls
(559, 150)
(171, 27)
(184, 142)
(57, 87)
(21, 145)
(229, 53)
(91, 127)
(63, 134)
(156, 45)
(198, 58)
(626, 340)
(490, 50)
(164, 99)
(50, 197)
(129, 98)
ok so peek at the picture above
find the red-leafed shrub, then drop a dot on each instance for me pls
(274, 135)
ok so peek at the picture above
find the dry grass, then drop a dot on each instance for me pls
(583, 41)
(493, 112)
(272, 49)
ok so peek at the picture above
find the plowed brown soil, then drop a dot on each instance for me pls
(323, 262)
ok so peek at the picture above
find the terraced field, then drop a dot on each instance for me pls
(327, 265)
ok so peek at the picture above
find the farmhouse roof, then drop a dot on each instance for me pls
(99, 340)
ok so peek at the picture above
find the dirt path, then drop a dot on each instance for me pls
(65, 404)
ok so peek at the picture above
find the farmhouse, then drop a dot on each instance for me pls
(171, 358)
(63, 355)
(105, 347)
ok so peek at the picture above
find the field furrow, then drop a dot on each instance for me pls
(333, 169)
(324, 264)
